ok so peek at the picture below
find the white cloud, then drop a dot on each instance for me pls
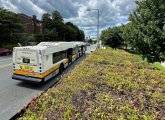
(8, 5)
(112, 12)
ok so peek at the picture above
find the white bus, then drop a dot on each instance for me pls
(44, 61)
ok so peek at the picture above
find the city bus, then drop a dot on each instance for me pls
(44, 61)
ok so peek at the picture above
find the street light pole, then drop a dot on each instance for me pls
(98, 41)
(98, 29)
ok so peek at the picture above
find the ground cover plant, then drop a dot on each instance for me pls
(109, 84)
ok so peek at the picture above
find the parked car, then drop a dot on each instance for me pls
(4, 51)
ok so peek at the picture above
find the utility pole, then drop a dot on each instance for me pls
(98, 24)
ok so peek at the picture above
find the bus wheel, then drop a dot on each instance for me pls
(61, 69)
(42, 82)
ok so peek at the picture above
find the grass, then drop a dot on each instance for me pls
(109, 84)
(159, 66)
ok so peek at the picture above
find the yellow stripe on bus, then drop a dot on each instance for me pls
(65, 61)
(49, 71)
(35, 74)
(74, 56)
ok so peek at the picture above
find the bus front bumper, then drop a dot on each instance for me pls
(26, 79)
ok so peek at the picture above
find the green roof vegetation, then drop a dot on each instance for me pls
(109, 84)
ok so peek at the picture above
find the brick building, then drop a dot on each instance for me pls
(31, 24)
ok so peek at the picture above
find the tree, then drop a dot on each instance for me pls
(56, 17)
(129, 35)
(58, 24)
(39, 37)
(112, 37)
(46, 22)
(70, 32)
(50, 35)
(9, 27)
(81, 35)
(55, 29)
(73, 33)
(148, 20)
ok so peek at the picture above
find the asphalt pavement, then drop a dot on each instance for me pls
(14, 95)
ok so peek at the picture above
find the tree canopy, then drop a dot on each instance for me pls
(148, 21)
(112, 37)
(9, 27)
(73, 33)
(145, 32)
(54, 29)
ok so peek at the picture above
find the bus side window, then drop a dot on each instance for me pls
(56, 57)
(63, 54)
(59, 56)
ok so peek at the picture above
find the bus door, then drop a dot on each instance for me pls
(82, 49)
(69, 54)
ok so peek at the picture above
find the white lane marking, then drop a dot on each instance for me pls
(5, 59)
(3, 66)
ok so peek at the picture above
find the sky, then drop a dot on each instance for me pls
(82, 13)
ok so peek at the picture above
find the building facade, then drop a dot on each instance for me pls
(30, 24)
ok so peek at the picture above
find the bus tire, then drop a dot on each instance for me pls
(43, 81)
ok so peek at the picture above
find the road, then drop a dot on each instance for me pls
(14, 95)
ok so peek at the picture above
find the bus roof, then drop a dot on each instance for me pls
(79, 43)
(61, 43)
(51, 47)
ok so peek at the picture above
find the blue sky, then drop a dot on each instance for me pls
(112, 12)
